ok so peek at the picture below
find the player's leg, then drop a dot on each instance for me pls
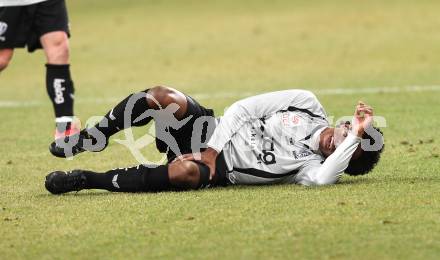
(51, 31)
(179, 175)
(13, 31)
(5, 58)
(59, 83)
(56, 47)
(124, 115)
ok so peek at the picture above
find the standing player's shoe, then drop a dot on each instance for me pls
(72, 145)
(59, 182)
(64, 129)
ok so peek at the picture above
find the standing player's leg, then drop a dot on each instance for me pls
(12, 32)
(59, 83)
(5, 58)
(51, 29)
(178, 175)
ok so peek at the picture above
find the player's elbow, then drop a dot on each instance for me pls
(324, 182)
(321, 181)
(323, 177)
(314, 182)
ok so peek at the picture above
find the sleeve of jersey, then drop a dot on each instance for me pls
(333, 167)
(256, 107)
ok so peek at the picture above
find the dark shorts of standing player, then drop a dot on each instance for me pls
(43, 25)
(23, 26)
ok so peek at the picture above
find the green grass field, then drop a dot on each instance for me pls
(221, 51)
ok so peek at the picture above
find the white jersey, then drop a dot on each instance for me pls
(19, 2)
(274, 138)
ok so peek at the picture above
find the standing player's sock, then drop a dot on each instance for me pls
(60, 89)
(114, 120)
(66, 126)
(134, 179)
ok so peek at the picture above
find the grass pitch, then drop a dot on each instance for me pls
(219, 51)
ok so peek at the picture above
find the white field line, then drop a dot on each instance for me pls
(202, 96)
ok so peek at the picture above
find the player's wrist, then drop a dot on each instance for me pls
(357, 131)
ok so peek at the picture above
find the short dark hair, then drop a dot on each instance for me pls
(368, 159)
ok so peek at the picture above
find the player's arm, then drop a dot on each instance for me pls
(333, 167)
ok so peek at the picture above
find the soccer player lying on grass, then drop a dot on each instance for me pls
(277, 137)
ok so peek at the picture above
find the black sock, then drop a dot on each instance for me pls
(134, 179)
(113, 121)
(204, 175)
(60, 89)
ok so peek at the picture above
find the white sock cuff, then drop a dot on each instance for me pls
(64, 119)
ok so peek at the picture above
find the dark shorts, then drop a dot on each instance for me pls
(22, 26)
(193, 136)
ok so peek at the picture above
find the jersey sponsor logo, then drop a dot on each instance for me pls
(253, 138)
(59, 89)
(267, 156)
(289, 120)
(301, 154)
(3, 28)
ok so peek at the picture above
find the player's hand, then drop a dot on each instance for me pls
(207, 157)
(363, 118)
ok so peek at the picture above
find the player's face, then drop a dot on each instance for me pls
(331, 138)
(326, 142)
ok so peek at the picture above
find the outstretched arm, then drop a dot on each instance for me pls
(333, 167)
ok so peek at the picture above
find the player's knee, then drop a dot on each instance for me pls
(184, 174)
(160, 97)
(58, 50)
